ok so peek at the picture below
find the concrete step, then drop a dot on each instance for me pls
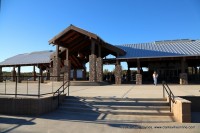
(119, 103)
(114, 99)
(110, 118)
(115, 107)
(117, 112)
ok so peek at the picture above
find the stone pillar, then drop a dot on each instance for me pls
(13, 74)
(183, 75)
(118, 73)
(41, 74)
(138, 79)
(67, 65)
(56, 68)
(99, 69)
(67, 70)
(75, 75)
(34, 74)
(183, 79)
(1, 75)
(92, 71)
(138, 75)
(19, 74)
(56, 65)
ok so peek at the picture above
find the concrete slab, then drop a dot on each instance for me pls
(60, 122)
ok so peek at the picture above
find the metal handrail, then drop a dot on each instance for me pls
(5, 78)
(169, 92)
(59, 91)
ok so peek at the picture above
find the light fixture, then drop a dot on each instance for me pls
(78, 55)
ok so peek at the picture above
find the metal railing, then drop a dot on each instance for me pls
(12, 85)
(61, 90)
(169, 93)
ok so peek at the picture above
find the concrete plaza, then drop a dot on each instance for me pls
(57, 121)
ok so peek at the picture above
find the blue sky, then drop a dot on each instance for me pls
(27, 25)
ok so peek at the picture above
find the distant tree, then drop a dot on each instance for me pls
(105, 71)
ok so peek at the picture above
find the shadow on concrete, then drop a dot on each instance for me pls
(128, 126)
(4, 120)
(16, 122)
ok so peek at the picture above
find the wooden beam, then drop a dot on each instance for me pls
(92, 46)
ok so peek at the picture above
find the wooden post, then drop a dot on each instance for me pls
(138, 66)
(92, 46)
(41, 74)
(183, 75)
(19, 74)
(34, 74)
(1, 75)
(75, 75)
(138, 75)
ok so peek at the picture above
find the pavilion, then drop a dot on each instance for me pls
(176, 61)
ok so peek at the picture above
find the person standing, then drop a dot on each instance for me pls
(155, 77)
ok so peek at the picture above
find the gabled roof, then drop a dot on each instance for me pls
(28, 59)
(75, 38)
(170, 48)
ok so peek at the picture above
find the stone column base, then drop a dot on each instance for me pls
(92, 74)
(118, 74)
(67, 70)
(56, 68)
(99, 69)
(138, 79)
(183, 79)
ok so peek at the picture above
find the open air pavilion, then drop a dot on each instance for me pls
(176, 61)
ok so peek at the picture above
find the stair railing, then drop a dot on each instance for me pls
(169, 93)
(61, 90)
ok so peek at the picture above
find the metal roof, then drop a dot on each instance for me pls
(170, 48)
(40, 57)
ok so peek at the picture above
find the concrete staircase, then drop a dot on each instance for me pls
(119, 108)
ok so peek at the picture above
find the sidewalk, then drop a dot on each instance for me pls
(73, 123)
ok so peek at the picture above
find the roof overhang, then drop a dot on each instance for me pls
(77, 39)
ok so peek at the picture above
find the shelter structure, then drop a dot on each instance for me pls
(75, 47)
(176, 61)
(40, 59)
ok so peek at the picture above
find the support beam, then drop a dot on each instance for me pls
(13, 74)
(19, 74)
(1, 75)
(84, 74)
(138, 66)
(183, 75)
(118, 73)
(138, 75)
(128, 74)
(41, 74)
(34, 74)
(75, 75)
(48, 74)
(92, 47)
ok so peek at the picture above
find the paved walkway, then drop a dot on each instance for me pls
(71, 123)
